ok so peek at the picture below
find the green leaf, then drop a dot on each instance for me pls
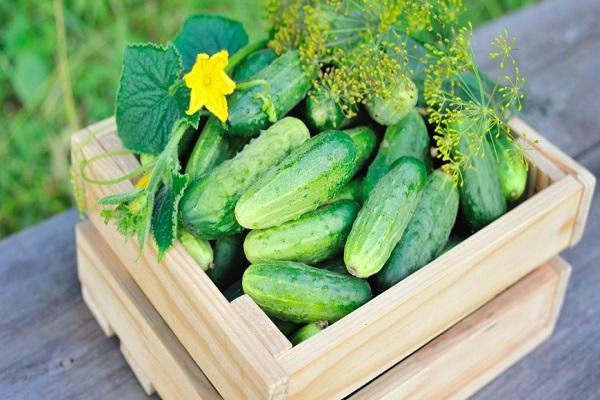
(166, 208)
(150, 97)
(209, 34)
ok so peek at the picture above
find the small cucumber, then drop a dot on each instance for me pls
(352, 191)
(365, 142)
(253, 64)
(408, 137)
(390, 111)
(323, 113)
(307, 331)
(296, 292)
(512, 170)
(308, 178)
(384, 217)
(199, 249)
(314, 237)
(481, 197)
(234, 291)
(210, 150)
(228, 265)
(207, 207)
(426, 233)
(288, 84)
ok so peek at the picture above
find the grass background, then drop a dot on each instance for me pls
(59, 67)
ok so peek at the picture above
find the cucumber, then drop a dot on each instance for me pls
(426, 233)
(207, 207)
(229, 261)
(199, 249)
(297, 292)
(308, 178)
(234, 291)
(365, 142)
(512, 170)
(390, 111)
(210, 150)
(409, 137)
(384, 217)
(307, 331)
(314, 237)
(481, 197)
(352, 191)
(288, 83)
(323, 113)
(253, 64)
(286, 327)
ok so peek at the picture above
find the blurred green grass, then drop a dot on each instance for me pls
(59, 67)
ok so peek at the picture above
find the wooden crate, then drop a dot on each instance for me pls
(257, 361)
(454, 365)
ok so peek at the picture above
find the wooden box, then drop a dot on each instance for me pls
(254, 360)
(454, 365)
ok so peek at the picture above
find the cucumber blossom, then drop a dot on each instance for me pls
(384, 217)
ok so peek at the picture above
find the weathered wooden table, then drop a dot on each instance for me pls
(51, 347)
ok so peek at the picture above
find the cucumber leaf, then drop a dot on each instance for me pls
(166, 208)
(150, 97)
(208, 34)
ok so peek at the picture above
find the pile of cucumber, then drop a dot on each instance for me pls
(315, 213)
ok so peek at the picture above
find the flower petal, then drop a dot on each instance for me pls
(219, 61)
(217, 104)
(197, 101)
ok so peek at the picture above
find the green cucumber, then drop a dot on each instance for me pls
(481, 197)
(365, 142)
(314, 237)
(210, 150)
(352, 191)
(426, 233)
(512, 170)
(408, 137)
(207, 207)
(323, 113)
(297, 292)
(391, 110)
(253, 64)
(384, 217)
(229, 261)
(288, 84)
(234, 291)
(308, 178)
(307, 331)
(199, 249)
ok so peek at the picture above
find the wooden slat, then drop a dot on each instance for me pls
(347, 355)
(474, 351)
(156, 356)
(258, 322)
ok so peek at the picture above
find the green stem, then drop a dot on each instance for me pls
(244, 52)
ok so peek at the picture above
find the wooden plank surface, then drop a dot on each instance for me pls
(51, 346)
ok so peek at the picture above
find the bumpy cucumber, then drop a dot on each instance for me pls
(211, 149)
(365, 142)
(390, 111)
(409, 137)
(296, 292)
(228, 264)
(199, 249)
(352, 191)
(309, 177)
(307, 331)
(481, 197)
(288, 83)
(384, 217)
(323, 113)
(234, 291)
(426, 233)
(512, 170)
(314, 237)
(253, 64)
(207, 207)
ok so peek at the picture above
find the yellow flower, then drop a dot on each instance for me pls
(209, 84)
